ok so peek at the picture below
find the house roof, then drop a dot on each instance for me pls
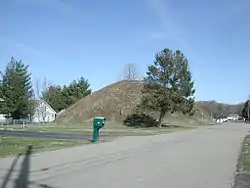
(39, 101)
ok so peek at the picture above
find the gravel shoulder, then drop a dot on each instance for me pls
(242, 179)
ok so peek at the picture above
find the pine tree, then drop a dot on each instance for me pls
(62, 97)
(168, 86)
(17, 90)
(246, 110)
(53, 96)
(78, 89)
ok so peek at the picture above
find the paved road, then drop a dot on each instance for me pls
(202, 158)
(36, 134)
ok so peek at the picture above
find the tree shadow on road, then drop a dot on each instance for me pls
(8, 175)
(23, 178)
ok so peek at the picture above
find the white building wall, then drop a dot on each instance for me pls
(2, 118)
(44, 113)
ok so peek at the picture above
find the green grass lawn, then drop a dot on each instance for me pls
(16, 145)
(107, 130)
(110, 129)
(244, 160)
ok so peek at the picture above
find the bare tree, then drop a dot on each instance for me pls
(130, 71)
(41, 86)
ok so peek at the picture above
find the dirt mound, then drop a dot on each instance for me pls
(115, 102)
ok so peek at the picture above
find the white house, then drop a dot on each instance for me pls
(221, 120)
(44, 113)
(2, 118)
(233, 117)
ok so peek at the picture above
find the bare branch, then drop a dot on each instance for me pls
(130, 72)
(41, 108)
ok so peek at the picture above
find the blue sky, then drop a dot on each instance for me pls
(65, 39)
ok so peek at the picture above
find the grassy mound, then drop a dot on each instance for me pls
(117, 102)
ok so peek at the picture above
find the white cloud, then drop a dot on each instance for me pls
(171, 28)
(161, 11)
(27, 48)
(19, 47)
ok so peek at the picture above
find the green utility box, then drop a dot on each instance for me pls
(98, 123)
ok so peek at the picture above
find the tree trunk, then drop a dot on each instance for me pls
(162, 114)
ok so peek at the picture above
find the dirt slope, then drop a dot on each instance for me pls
(114, 102)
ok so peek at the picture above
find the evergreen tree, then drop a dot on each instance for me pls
(76, 90)
(246, 110)
(1, 98)
(168, 86)
(53, 96)
(62, 97)
(16, 90)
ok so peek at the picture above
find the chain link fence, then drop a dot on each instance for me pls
(15, 122)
